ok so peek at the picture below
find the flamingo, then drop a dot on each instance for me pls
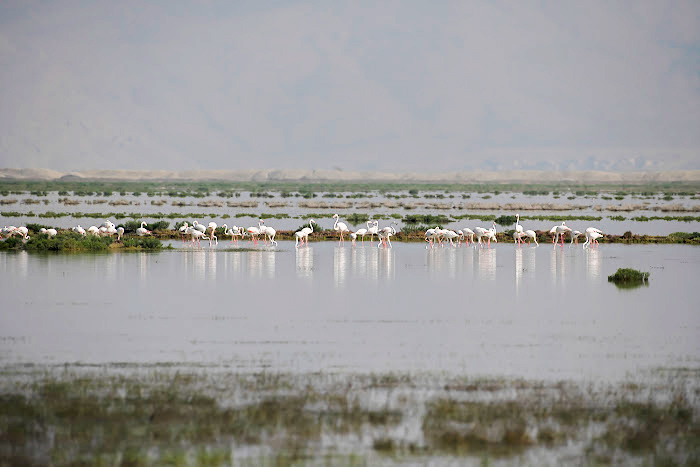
(530, 234)
(518, 228)
(480, 232)
(8, 230)
(561, 230)
(199, 227)
(304, 234)
(451, 235)
(353, 236)
(468, 232)
(232, 232)
(49, 232)
(491, 235)
(212, 226)
(430, 236)
(93, 230)
(269, 234)
(362, 232)
(372, 231)
(120, 233)
(197, 235)
(574, 237)
(592, 236)
(23, 231)
(80, 230)
(385, 234)
(141, 231)
(255, 231)
(183, 230)
(341, 227)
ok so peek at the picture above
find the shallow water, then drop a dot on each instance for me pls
(543, 313)
(585, 206)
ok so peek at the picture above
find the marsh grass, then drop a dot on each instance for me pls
(629, 278)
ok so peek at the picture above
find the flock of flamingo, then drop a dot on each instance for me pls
(193, 234)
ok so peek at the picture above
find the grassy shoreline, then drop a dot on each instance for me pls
(201, 416)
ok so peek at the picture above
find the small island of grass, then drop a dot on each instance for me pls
(629, 277)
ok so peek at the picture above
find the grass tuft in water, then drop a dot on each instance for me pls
(629, 276)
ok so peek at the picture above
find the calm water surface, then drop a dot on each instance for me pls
(546, 313)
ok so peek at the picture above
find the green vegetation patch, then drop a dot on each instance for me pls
(67, 242)
(629, 277)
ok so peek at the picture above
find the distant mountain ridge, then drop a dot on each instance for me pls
(265, 175)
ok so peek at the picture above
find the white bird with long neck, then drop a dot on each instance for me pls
(530, 234)
(491, 235)
(269, 234)
(201, 227)
(363, 232)
(183, 230)
(196, 235)
(561, 230)
(518, 228)
(385, 236)
(592, 235)
(141, 231)
(49, 232)
(480, 233)
(120, 233)
(372, 231)
(79, 230)
(304, 233)
(212, 236)
(574, 237)
(255, 231)
(22, 231)
(468, 233)
(340, 227)
(430, 236)
(93, 230)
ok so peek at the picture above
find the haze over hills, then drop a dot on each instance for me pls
(516, 176)
(365, 86)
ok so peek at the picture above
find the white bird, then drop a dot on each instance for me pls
(592, 235)
(530, 234)
(49, 232)
(8, 230)
(561, 230)
(468, 233)
(362, 232)
(341, 227)
(141, 231)
(304, 234)
(120, 233)
(431, 236)
(196, 235)
(491, 235)
(255, 231)
(385, 234)
(574, 237)
(183, 230)
(212, 236)
(78, 229)
(451, 235)
(201, 227)
(93, 230)
(23, 231)
(269, 234)
(518, 228)
(372, 231)
(480, 233)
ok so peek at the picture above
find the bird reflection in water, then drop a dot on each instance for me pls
(386, 263)
(143, 266)
(558, 266)
(443, 261)
(340, 260)
(487, 263)
(194, 264)
(211, 264)
(593, 263)
(261, 264)
(518, 269)
(305, 261)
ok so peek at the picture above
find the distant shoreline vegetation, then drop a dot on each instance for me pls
(192, 188)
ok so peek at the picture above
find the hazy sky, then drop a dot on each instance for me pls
(303, 84)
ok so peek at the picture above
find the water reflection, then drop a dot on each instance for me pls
(487, 263)
(518, 269)
(305, 261)
(557, 266)
(443, 261)
(339, 266)
(592, 263)
(211, 263)
(261, 264)
(386, 263)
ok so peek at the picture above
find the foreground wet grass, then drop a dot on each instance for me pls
(204, 416)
